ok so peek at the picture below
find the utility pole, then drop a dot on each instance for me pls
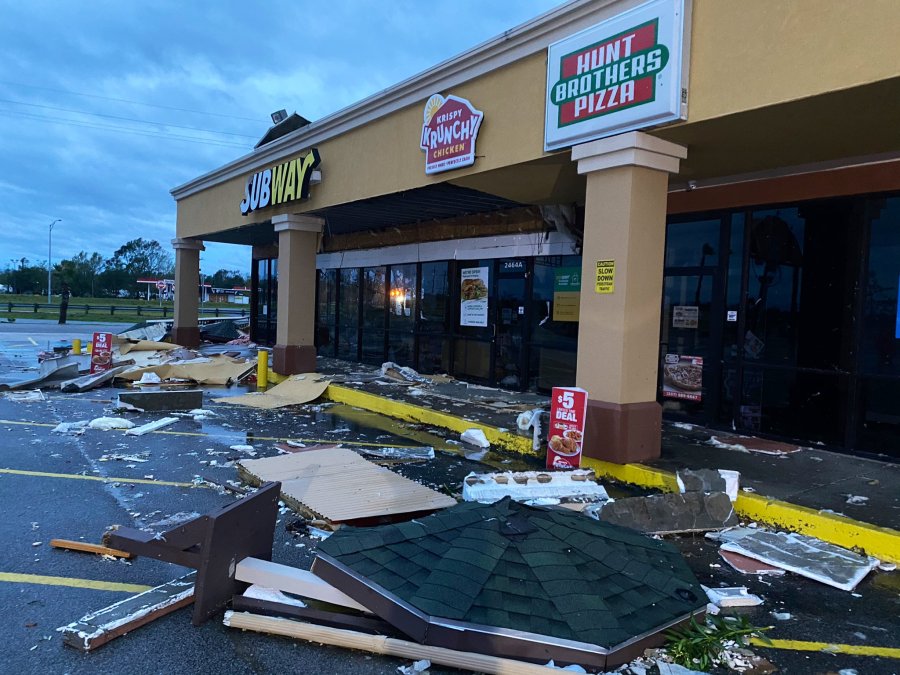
(50, 257)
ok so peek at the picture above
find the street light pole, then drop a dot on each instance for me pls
(50, 257)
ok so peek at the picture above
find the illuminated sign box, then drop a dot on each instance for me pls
(626, 73)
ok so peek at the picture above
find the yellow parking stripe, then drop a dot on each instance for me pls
(101, 479)
(831, 648)
(74, 583)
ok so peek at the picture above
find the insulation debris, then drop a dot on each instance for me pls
(110, 423)
(529, 485)
(423, 453)
(25, 396)
(806, 556)
(71, 428)
(338, 485)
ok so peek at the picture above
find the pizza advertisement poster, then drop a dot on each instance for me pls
(101, 352)
(568, 406)
(683, 377)
(473, 296)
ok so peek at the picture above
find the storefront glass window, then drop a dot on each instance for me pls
(435, 298)
(693, 243)
(348, 314)
(326, 312)
(373, 310)
(402, 315)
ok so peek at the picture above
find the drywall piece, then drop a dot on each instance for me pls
(151, 426)
(295, 390)
(163, 401)
(734, 596)
(475, 437)
(379, 644)
(86, 382)
(292, 580)
(672, 513)
(109, 423)
(339, 486)
(806, 556)
(98, 628)
(709, 480)
(527, 485)
(257, 592)
(746, 565)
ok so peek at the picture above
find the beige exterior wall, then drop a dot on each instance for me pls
(744, 55)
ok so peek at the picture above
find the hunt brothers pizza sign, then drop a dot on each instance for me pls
(623, 74)
(449, 133)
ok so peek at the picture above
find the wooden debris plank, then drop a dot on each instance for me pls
(380, 644)
(367, 624)
(98, 628)
(89, 548)
(340, 485)
(293, 580)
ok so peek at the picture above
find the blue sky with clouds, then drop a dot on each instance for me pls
(105, 106)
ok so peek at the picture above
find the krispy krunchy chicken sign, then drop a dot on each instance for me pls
(449, 133)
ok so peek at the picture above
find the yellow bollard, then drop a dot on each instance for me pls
(76, 346)
(89, 347)
(262, 369)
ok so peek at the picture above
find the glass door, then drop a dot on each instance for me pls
(475, 325)
(510, 322)
(264, 301)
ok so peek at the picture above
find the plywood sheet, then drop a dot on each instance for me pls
(218, 370)
(339, 485)
(295, 390)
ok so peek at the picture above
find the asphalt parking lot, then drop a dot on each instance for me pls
(74, 487)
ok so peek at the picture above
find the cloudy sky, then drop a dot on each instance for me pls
(105, 106)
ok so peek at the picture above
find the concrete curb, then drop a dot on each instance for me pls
(880, 542)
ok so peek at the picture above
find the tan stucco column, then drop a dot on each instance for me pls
(298, 237)
(618, 332)
(187, 283)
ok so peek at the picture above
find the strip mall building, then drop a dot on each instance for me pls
(686, 208)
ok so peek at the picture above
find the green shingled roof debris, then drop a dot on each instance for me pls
(554, 574)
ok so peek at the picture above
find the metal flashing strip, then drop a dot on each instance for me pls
(528, 38)
(473, 248)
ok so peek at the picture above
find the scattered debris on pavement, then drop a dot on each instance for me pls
(151, 426)
(98, 628)
(709, 480)
(160, 401)
(672, 513)
(475, 437)
(25, 396)
(87, 547)
(542, 583)
(295, 390)
(339, 485)
(733, 596)
(806, 556)
(557, 486)
(110, 423)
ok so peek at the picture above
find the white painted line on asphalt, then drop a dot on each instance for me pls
(32, 342)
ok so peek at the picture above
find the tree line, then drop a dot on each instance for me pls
(92, 275)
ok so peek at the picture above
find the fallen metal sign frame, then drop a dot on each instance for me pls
(212, 544)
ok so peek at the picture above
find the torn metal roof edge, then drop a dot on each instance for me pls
(420, 626)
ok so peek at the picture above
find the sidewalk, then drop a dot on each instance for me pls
(805, 491)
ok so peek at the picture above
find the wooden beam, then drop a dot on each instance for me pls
(293, 580)
(367, 624)
(89, 548)
(379, 644)
(98, 628)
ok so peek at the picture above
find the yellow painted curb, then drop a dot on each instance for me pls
(880, 542)
(414, 413)
(830, 648)
(74, 583)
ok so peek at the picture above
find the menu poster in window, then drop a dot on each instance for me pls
(101, 352)
(683, 377)
(473, 297)
(568, 407)
(566, 293)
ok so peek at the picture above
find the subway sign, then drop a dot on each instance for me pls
(280, 184)
(626, 73)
